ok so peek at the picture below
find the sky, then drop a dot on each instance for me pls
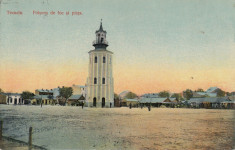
(158, 44)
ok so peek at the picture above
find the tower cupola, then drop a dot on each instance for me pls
(100, 42)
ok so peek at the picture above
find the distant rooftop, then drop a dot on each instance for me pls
(81, 86)
(44, 90)
(150, 95)
(211, 89)
(123, 93)
(12, 94)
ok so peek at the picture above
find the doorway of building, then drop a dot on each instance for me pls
(15, 101)
(103, 102)
(94, 101)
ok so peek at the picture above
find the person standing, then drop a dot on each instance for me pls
(82, 104)
(149, 107)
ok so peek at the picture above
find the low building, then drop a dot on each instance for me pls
(174, 101)
(228, 104)
(43, 92)
(14, 98)
(3, 98)
(79, 90)
(44, 99)
(127, 102)
(208, 102)
(156, 102)
(76, 100)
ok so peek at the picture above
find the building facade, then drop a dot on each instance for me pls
(78, 90)
(14, 98)
(100, 87)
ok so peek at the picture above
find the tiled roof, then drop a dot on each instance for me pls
(41, 97)
(153, 100)
(208, 99)
(198, 94)
(123, 93)
(150, 95)
(75, 96)
(44, 90)
(211, 89)
(131, 100)
(12, 94)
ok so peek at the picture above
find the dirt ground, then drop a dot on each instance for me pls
(166, 128)
(121, 128)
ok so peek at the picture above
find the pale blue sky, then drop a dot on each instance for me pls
(179, 34)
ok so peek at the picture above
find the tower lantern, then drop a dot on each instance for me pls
(100, 42)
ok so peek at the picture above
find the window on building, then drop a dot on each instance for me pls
(95, 59)
(103, 80)
(104, 60)
(95, 80)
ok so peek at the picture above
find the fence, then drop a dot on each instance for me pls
(30, 141)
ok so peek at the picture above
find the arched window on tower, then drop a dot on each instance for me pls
(95, 59)
(103, 80)
(95, 80)
(104, 59)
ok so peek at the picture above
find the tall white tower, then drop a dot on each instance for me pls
(100, 91)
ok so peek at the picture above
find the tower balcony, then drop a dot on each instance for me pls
(100, 42)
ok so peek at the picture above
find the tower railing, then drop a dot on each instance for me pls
(99, 42)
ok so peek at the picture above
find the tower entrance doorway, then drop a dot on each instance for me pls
(94, 101)
(103, 102)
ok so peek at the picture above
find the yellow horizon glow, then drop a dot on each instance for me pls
(140, 81)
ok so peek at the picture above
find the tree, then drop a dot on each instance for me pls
(164, 94)
(220, 93)
(199, 90)
(228, 94)
(177, 96)
(1, 91)
(27, 95)
(116, 96)
(130, 95)
(66, 92)
(188, 94)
